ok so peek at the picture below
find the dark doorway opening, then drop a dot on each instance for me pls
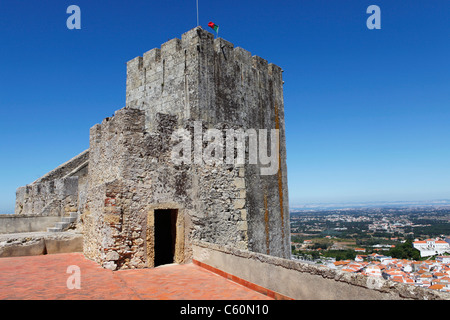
(165, 236)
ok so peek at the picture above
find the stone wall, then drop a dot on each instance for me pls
(58, 192)
(209, 80)
(301, 281)
(49, 198)
(131, 175)
(14, 223)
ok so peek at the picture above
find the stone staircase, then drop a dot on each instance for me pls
(64, 223)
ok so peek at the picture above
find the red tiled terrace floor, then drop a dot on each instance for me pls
(45, 277)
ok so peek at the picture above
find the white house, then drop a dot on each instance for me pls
(374, 271)
(431, 247)
(386, 260)
(407, 268)
(443, 259)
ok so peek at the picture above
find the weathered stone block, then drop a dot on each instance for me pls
(239, 183)
(112, 219)
(239, 203)
(112, 256)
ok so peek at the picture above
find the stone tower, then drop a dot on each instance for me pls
(139, 207)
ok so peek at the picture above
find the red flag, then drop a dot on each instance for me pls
(214, 26)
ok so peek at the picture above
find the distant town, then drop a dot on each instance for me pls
(406, 244)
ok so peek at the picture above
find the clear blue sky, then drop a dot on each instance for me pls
(367, 111)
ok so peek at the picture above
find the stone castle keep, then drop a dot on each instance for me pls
(135, 207)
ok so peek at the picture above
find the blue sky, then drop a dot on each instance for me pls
(367, 111)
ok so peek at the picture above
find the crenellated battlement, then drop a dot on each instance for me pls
(198, 40)
(194, 76)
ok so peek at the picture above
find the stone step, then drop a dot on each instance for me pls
(69, 219)
(62, 225)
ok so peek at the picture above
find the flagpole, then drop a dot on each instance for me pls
(197, 15)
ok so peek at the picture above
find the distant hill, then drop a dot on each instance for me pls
(441, 203)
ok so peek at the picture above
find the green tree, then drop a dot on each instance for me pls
(314, 254)
(404, 251)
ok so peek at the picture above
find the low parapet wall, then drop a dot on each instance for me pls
(293, 279)
(13, 223)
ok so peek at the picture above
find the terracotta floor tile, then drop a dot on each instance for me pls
(45, 277)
